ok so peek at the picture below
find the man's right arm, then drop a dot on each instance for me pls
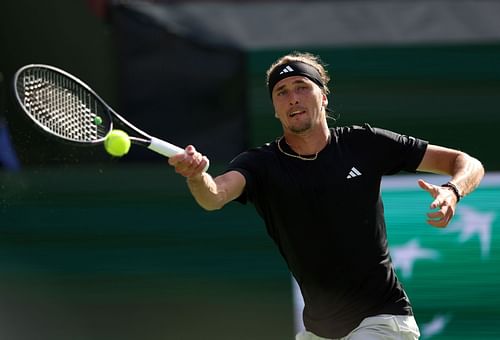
(214, 193)
(210, 193)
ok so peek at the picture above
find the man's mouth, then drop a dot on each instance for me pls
(295, 112)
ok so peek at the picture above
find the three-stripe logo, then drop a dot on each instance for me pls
(353, 173)
(287, 69)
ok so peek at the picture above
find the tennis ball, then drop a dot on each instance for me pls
(117, 143)
(97, 120)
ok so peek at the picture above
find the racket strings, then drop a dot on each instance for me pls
(62, 106)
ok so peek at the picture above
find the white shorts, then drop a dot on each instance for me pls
(380, 327)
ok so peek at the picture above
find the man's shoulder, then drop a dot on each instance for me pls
(263, 150)
(353, 132)
(254, 154)
(354, 129)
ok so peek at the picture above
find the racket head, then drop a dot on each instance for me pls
(62, 105)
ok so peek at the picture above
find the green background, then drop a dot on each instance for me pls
(123, 252)
(447, 93)
(460, 284)
(111, 250)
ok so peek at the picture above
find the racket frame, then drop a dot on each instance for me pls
(143, 138)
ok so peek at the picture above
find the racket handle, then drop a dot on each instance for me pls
(167, 149)
(164, 148)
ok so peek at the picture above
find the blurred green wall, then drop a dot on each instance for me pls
(450, 274)
(448, 94)
(124, 252)
(113, 250)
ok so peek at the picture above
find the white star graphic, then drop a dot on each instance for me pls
(474, 222)
(435, 326)
(404, 257)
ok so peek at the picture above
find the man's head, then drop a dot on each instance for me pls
(298, 63)
(298, 87)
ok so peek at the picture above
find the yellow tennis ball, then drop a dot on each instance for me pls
(117, 143)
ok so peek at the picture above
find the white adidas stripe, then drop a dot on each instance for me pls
(287, 69)
(354, 173)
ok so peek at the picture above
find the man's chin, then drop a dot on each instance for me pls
(300, 128)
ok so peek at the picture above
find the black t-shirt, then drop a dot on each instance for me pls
(327, 218)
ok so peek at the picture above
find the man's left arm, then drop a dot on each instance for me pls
(466, 173)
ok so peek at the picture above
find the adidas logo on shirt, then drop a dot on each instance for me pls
(353, 173)
(287, 69)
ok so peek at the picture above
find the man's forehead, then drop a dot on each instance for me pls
(292, 80)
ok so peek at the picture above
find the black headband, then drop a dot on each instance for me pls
(293, 68)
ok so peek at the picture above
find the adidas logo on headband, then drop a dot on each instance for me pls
(287, 69)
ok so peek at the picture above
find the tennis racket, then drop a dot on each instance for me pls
(65, 107)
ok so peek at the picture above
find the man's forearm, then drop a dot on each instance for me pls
(467, 173)
(205, 192)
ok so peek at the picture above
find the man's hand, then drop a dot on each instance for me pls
(189, 164)
(444, 200)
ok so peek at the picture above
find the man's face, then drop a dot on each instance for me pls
(299, 103)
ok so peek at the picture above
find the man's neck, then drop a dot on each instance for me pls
(308, 142)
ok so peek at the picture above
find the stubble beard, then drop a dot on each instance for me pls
(301, 127)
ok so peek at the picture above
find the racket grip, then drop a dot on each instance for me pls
(164, 148)
(168, 149)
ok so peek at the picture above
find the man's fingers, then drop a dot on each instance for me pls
(440, 218)
(174, 160)
(190, 163)
(438, 223)
(423, 184)
(426, 186)
(435, 204)
(436, 214)
(190, 150)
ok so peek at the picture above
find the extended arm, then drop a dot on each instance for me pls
(466, 173)
(210, 193)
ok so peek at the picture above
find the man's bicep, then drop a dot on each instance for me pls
(231, 184)
(439, 160)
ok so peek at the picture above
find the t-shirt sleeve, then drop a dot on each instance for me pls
(398, 152)
(244, 163)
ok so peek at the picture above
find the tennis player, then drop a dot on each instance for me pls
(318, 191)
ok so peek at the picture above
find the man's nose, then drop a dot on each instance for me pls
(293, 100)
